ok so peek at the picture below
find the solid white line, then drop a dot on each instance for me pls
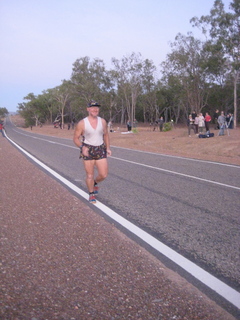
(177, 173)
(50, 141)
(210, 281)
(178, 157)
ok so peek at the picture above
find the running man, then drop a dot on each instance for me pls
(94, 148)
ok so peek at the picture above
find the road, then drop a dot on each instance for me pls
(192, 206)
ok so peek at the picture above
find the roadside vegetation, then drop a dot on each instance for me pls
(196, 75)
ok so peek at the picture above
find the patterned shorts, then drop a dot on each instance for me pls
(95, 152)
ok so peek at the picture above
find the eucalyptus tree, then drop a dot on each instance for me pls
(171, 98)
(77, 106)
(31, 110)
(185, 62)
(90, 79)
(219, 78)
(62, 95)
(3, 112)
(224, 29)
(128, 75)
(49, 102)
(149, 91)
(110, 110)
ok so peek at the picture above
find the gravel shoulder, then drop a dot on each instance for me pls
(61, 260)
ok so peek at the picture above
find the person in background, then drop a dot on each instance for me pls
(129, 125)
(194, 115)
(155, 125)
(221, 122)
(229, 120)
(135, 123)
(201, 123)
(160, 123)
(191, 126)
(207, 121)
(94, 148)
(215, 119)
(110, 127)
(196, 120)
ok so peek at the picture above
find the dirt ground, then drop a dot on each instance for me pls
(225, 149)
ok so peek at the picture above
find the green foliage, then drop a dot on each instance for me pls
(3, 112)
(223, 29)
(167, 126)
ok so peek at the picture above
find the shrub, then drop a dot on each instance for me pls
(167, 126)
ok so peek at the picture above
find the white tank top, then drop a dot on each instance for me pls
(94, 137)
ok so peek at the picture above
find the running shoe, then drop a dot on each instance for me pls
(92, 198)
(95, 190)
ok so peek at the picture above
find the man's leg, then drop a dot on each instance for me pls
(102, 168)
(89, 168)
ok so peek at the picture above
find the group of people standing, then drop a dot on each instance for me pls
(129, 124)
(223, 121)
(157, 124)
(199, 123)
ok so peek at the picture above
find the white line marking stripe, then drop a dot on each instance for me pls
(177, 173)
(178, 157)
(212, 282)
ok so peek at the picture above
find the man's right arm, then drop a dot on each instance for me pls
(78, 133)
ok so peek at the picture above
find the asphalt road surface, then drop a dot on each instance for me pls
(192, 206)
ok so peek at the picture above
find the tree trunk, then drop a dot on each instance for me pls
(236, 76)
(122, 114)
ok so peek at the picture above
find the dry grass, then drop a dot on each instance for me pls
(225, 149)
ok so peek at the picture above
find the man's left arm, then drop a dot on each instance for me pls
(106, 138)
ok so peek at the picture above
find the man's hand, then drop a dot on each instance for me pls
(85, 151)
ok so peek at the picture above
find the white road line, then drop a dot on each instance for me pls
(210, 281)
(178, 157)
(177, 173)
(50, 141)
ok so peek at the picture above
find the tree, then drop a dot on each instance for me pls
(62, 95)
(128, 75)
(90, 79)
(185, 63)
(171, 98)
(3, 112)
(224, 30)
(31, 110)
(149, 91)
(49, 103)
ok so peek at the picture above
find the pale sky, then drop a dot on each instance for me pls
(41, 39)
